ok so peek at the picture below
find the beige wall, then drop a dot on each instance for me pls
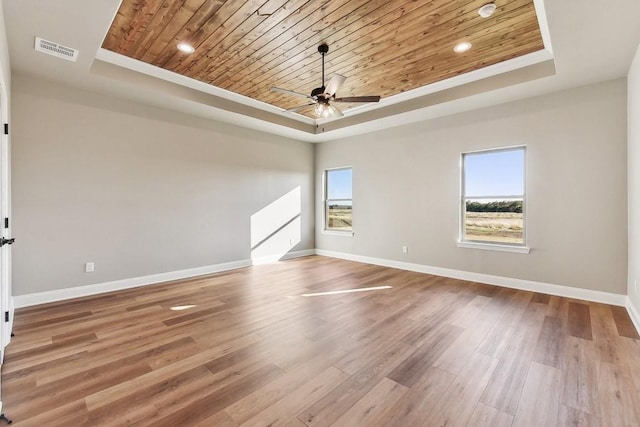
(142, 191)
(633, 111)
(137, 190)
(407, 184)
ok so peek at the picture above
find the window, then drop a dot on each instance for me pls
(493, 201)
(338, 200)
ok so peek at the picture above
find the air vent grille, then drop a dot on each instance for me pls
(55, 49)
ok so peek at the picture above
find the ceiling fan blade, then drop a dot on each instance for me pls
(300, 107)
(335, 111)
(289, 92)
(333, 85)
(358, 99)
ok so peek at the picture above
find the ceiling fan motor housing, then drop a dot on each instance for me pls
(319, 92)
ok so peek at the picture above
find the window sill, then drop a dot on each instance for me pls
(338, 233)
(495, 247)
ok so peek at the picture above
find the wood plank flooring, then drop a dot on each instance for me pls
(245, 348)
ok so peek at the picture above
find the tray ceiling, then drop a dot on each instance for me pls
(383, 47)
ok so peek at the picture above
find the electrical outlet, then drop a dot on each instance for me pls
(290, 242)
(405, 249)
(89, 267)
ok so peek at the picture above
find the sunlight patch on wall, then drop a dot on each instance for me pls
(276, 228)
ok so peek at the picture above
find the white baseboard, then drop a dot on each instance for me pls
(527, 285)
(507, 282)
(634, 313)
(28, 300)
(275, 258)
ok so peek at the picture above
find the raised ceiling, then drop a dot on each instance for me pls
(383, 47)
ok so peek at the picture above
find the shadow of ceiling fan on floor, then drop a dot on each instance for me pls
(324, 96)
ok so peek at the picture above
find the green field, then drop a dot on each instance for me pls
(503, 227)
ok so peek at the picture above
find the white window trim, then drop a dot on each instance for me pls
(325, 201)
(487, 245)
(494, 247)
(338, 233)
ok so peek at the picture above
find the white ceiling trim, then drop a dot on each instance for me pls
(154, 71)
(470, 77)
(169, 76)
(543, 24)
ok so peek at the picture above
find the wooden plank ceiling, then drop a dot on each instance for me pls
(383, 47)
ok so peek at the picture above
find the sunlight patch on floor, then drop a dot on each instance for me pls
(182, 307)
(346, 291)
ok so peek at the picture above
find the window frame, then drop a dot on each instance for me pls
(326, 201)
(486, 244)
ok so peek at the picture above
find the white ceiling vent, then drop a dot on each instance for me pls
(55, 49)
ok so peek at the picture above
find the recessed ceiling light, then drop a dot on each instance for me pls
(487, 10)
(185, 48)
(462, 47)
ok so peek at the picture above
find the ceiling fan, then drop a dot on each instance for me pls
(323, 97)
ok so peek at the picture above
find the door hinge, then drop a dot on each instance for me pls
(6, 223)
(6, 316)
(6, 128)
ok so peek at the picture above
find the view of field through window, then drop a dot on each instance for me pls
(339, 204)
(493, 198)
(340, 217)
(499, 221)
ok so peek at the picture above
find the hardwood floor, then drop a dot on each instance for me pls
(246, 348)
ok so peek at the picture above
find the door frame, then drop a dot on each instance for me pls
(4, 256)
(6, 305)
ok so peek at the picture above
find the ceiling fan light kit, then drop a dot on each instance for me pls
(324, 110)
(323, 96)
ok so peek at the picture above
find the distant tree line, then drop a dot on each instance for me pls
(502, 206)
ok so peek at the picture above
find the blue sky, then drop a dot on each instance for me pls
(339, 184)
(499, 173)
